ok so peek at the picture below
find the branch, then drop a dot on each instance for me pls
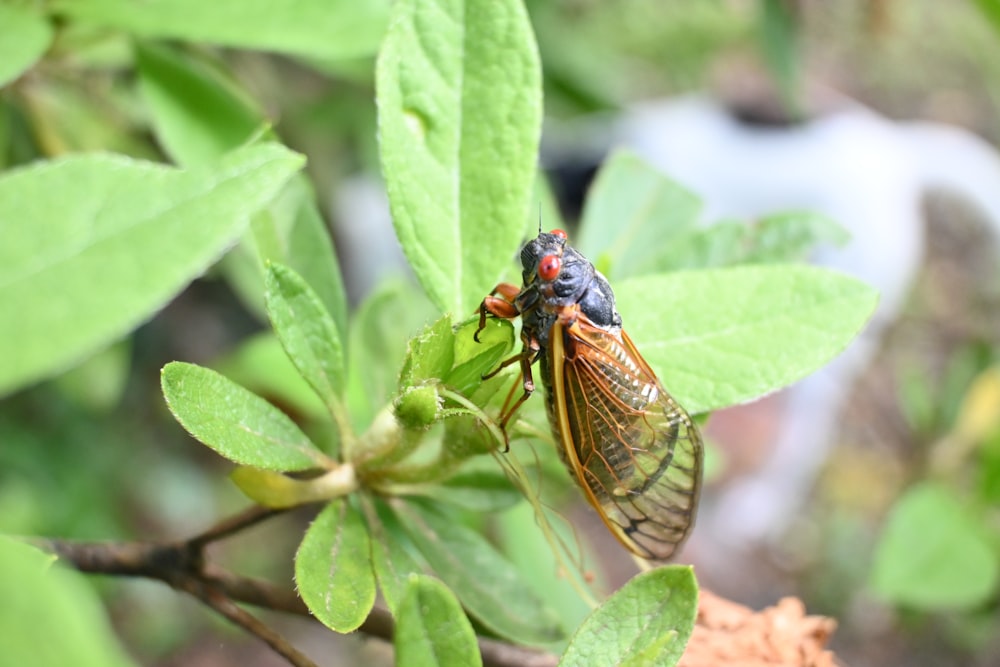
(182, 566)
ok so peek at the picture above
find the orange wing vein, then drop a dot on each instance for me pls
(632, 448)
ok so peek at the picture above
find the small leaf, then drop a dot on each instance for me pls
(726, 336)
(474, 359)
(236, 423)
(306, 331)
(429, 355)
(646, 623)
(431, 628)
(314, 28)
(50, 615)
(630, 214)
(333, 568)
(26, 36)
(933, 553)
(487, 584)
(123, 237)
(458, 86)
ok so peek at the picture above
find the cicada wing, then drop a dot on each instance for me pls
(633, 449)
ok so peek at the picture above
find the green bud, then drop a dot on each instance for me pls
(418, 407)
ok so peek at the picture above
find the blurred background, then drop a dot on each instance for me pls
(869, 490)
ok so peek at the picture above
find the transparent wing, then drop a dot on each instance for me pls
(632, 447)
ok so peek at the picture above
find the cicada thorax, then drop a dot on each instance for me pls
(631, 448)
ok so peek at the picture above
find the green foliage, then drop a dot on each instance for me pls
(459, 122)
(26, 36)
(235, 422)
(934, 554)
(727, 336)
(307, 332)
(431, 628)
(405, 409)
(647, 622)
(779, 41)
(333, 568)
(325, 29)
(50, 615)
(123, 237)
(939, 549)
(991, 10)
(489, 587)
(631, 213)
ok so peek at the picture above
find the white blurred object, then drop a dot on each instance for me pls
(864, 171)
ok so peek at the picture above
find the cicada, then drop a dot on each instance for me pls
(631, 447)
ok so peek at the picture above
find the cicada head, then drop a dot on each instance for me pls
(560, 273)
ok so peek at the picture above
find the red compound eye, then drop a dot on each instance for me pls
(558, 232)
(549, 267)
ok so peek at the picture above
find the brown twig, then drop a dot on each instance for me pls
(182, 566)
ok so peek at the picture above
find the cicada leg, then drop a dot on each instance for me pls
(502, 307)
(526, 358)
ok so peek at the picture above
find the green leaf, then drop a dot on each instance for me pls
(630, 214)
(26, 37)
(431, 628)
(791, 236)
(306, 331)
(81, 269)
(197, 113)
(532, 551)
(236, 423)
(309, 250)
(783, 237)
(647, 623)
(50, 615)
(721, 244)
(380, 329)
(487, 584)
(727, 336)
(316, 28)
(261, 365)
(476, 487)
(475, 359)
(933, 553)
(429, 355)
(393, 561)
(333, 568)
(458, 87)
